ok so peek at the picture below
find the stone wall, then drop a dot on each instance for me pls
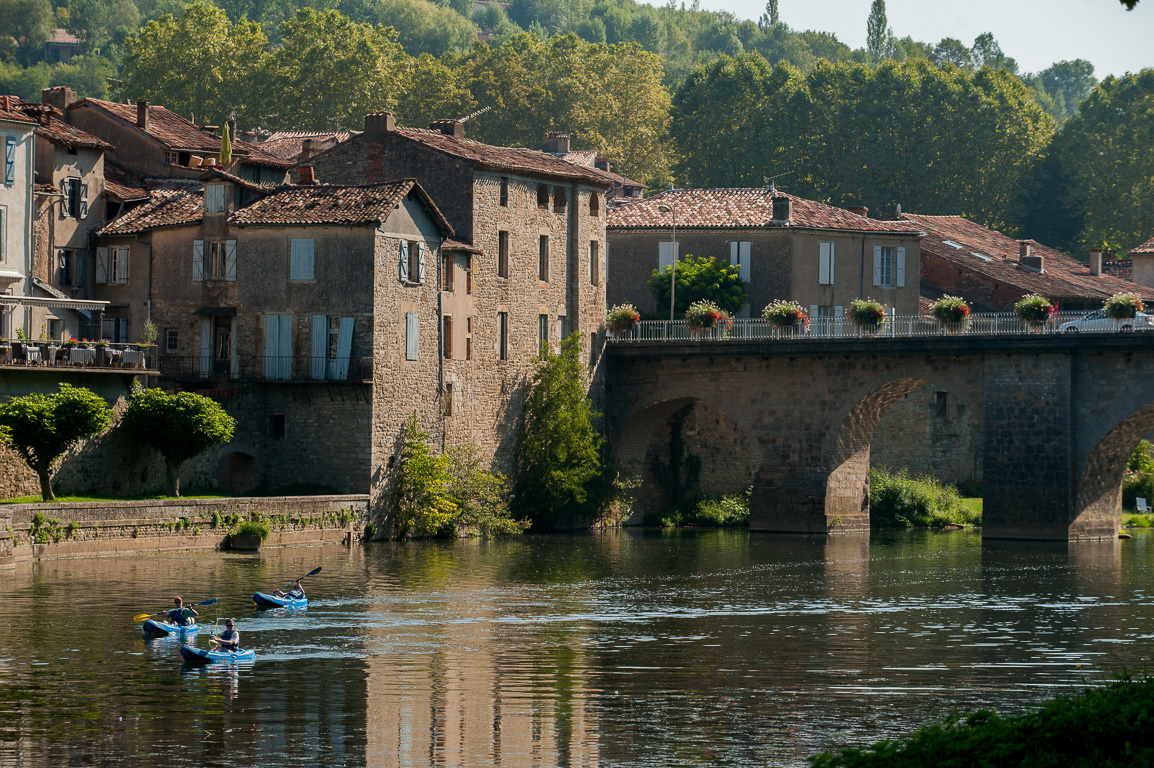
(7, 559)
(932, 432)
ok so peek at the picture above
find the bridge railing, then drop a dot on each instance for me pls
(738, 329)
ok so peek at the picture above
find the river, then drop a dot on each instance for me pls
(631, 648)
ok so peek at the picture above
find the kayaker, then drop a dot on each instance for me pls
(296, 593)
(181, 616)
(229, 639)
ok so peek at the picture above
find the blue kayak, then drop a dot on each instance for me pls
(263, 600)
(192, 653)
(155, 627)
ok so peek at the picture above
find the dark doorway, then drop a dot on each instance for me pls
(241, 470)
(222, 346)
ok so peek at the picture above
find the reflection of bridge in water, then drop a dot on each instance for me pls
(794, 419)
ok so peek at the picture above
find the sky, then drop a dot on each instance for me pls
(1036, 33)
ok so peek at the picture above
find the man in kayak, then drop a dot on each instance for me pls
(296, 593)
(229, 639)
(181, 616)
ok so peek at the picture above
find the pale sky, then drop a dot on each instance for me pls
(1035, 32)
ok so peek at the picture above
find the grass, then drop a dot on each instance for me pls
(1137, 520)
(902, 500)
(972, 505)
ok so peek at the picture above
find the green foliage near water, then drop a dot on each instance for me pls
(1138, 479)
(902, 500)
(726, 511)
(251, 528)
(1112, 725)
(699, 279)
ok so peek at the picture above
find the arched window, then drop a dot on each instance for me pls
(594, 204)
(543, 197)
(559, 201)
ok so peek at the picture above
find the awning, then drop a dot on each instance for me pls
(31, 301)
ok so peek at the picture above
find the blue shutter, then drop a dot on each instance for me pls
(344, 347)
(320, 352)
(410, 335)
(230, 260)
(403, 264)
(301, 260)
(421, 262)
(205, 347)
(197, 263)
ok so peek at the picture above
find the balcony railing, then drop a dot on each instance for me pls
(295, 368)
(896, 326)
(105, 357)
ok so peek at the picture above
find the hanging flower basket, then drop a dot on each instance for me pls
(867, 313)
(950, 310)
(703, 315)
(785, 314)
(623, 318)
(1034, 309)
(1123, 306)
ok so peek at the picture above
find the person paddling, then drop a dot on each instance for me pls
(229, 640)
(296, 593)
(181, 616)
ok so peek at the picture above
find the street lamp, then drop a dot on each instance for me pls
(668, 208)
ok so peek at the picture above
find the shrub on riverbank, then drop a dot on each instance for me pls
(1108, 726)
(1138, 481)
(902, 500)
(713, 512)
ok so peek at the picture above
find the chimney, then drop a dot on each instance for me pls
(5, 104)
(142, 115)
(557, 143)
(230, 126)
(601, 163)
(308, 149)
(781, 209)
(449, 127)
(250, 136)
(377, 124)
(1027, 259)
(1096, 262)
(61, 97)
(307, 176)
(859, 210)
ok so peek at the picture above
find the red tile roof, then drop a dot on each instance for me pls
(288, 145)
(173, 205)
(588, 159)
(1146, 247)
(457, 245)
(334, 205)
(993, 255)
(10, 110)
(1123, 269)
(63, 37)
(56, 130)
(123, 184)
(739, 209)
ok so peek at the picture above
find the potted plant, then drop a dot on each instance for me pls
(1123, 306)
(622, 319)
(867, 314)
(703, 315)
(786, 315)
(248, 536)
(1033, 309)
(950, 310)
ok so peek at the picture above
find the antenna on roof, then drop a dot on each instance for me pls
(478, 113)
(771, 181)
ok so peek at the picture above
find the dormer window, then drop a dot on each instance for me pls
(216, 198)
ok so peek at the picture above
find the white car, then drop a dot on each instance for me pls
(1097, 321)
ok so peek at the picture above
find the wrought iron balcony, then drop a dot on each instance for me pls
(85, 356)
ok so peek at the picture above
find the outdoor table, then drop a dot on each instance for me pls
(81, 356)
(32, 354)
(133, 358)
(52, 350)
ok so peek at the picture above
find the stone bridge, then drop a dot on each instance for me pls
(794, 419)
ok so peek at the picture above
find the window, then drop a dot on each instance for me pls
(594, 262)
(276, 426)
(74, 204)
(212, 260)
(504, 192)
(502, 254)
(447, 336)
(170, 341)
(278, 346)
(302, 259)
(115, 329)
(562, 329)
(825, 263)
(449, 399)
(69, 266)
(543, 259)
(215, 198)
(889, 267)
(54, 328)
(739, 257)
(172, 157)
(332, 343)
(503, 335)
(543, 334)
(412, 262)
(119, 265)
(594, 204)
(10, 160)
(543, 197)
(468, 338)
(410, 335)
(447, 272)
(469, 273)
(942, 406)
(665, 253)
(560, 201)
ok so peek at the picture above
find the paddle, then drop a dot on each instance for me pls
(313, 572)
(143, 616)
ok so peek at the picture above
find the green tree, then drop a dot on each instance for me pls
(697, 279)
(878, 34)
(198, 62)
(986, 52)
(481, 496)
(557, 452)
(42, 427)
(29, 22)
(179, 426)
(950, 50)
(422, 502)
(1068, 83)
(433, 90)
(770, 17)
(423, 27)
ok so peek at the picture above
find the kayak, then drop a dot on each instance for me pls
(263, 600)
(154, 627)
(192, 653)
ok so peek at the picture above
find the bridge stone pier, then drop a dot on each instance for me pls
(794, 419)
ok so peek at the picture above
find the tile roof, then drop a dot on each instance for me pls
(585, 157)
(10, 110)
(741, 208)
(1146, 247)
(994, 255)
(63, 37)
(333, 205)
(457, 245)
(1123, 269)
(214, 172)
(51, 127)
(177, 133)
(288, 145)
(172, 205)
(123, 184)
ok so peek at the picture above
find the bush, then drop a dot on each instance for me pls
(785, 314)
(1123, 306)
(900, 500)
(950, 309)
(1034, 309)
(867, 312)
(1108, 726)
(723, 511)
(699, 279)
(251, 528)
(622, 318)
(1138, 480)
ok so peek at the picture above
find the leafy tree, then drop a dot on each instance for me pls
(770, 17)
(987, 53)
(481, 496)
(950, 50)
(878, 34)
(423, 27)
(704, 278)
(42, 427)
(179, 426)
(1065, 84)
(557, 453)
(433, 91)
(29, 22)
(198, 62)
(422, 502)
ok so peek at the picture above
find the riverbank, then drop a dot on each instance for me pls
(48, 531)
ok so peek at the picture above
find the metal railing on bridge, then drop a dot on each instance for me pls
(895, 326)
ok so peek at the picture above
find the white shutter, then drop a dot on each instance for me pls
(734, 254)
(120, 265)
(230, 260)
(901, 267)
(825, 268)
(812, 311)
(421, 262)
(197, 261)
(665, 253)
(205, 347)
(410, 335)
(66, 203)
(320, 352)
(101, 265)
(10, 160)
(3, 237)
(403, 264)
(344, 347)
(877, 265)
(743, 255)
(285, 349)
(83, 200)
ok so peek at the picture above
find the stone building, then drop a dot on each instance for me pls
(1142, 263)
(624, 188)
(17, 170)
(786, 247)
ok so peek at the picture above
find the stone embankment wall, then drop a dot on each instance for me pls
(51, 531)
(932, 432)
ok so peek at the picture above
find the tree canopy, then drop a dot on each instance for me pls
(704, 278)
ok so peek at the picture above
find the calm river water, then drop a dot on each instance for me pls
(624, 649)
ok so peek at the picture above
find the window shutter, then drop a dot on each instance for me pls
(734, 253)
(301, 260)
(206, 346)
(285, 349)
(403, 265)
(122, 265)
(197, 261)
(83, 200)
(10, 161)
(66, 202)
(838, 311)
(877, 265)
(230, 260)
(101, 265)
(901, 267)
(344, 347)
(743, 255)
(823, 263)
(320, 352)
(421, 262)
(410, 335)
(77, 269)
(665, 254)
(3, 236)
